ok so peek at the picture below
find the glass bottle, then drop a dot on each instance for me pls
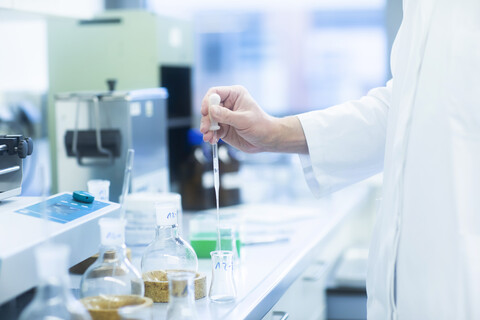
(53, 298)
(168, 251)
(112, 273)
(222, 287)
(181, 305)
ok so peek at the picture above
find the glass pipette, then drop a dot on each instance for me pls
(214, 100)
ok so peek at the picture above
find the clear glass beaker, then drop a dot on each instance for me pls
(99, 189)
(112, 273)
(181, 305)
(53, 298)
(222, 287)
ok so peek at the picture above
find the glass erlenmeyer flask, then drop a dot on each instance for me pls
(222, 287)
(167, 251)
(53, 298)
(181, 305)
(112, 273)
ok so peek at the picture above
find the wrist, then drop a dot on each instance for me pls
(287, 136)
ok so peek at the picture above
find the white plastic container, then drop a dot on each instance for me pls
(140, 215)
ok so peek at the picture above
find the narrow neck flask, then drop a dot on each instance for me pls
(53, 298)
(112, 273)
(167, 252)
(181, 305)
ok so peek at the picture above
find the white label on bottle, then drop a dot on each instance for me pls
(231, 180)
(166, 216)
(207, 180)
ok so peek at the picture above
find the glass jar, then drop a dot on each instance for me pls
(181, 305)
(53, 298)
(112, 273)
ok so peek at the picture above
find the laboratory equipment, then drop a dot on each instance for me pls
(95, 130)
(110, 307)
(203, 234)
(68, 222)
(214, 100)
(140, 215)
(99, 189)
(111, 274)
(182, 303)
(127, 177)
(107, 46)
(167, 252)
(13, 149)
(53, 298)
(222, 287)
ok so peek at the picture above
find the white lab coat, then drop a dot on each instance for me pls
(423, 129)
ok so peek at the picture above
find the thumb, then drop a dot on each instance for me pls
(225, 116)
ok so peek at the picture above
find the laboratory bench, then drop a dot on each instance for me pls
(288, 251)
(273, 277)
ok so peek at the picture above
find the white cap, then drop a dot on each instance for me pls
(166, 214)
(213, 100)
(52, 260)
(112, 231)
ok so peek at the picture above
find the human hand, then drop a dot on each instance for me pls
(243, 124)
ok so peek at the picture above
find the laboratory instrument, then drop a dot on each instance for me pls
(95, 130)
(53, 298)
(99, 189)
(161, 57)
(111, 274)
(13, 149)
(140, 215)
(68, 222)
(214, 100)
(110, 307)
(168, 251)
(127, 177)
(203, 233)
(222, 287)
(182, 302)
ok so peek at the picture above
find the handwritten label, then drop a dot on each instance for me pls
(167, 216)
(114, 235)
(224, 266)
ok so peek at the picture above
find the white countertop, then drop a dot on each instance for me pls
(266, 271)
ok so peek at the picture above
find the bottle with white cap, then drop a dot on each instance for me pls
(111, 274)
(167, 251)
(53, 297)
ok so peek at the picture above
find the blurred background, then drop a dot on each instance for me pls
(88, 80)
(293, 56)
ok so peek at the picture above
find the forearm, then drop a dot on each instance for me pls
(288, 136)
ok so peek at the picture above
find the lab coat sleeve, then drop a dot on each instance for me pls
(346, 142)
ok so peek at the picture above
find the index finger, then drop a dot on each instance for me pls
(225, 92)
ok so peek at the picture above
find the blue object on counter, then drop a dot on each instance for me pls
(62, 208)
(83, 196)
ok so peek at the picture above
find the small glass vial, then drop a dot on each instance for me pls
(181, 305)
(167, 252)
(53, 298)
(112, 273)
(222, 288)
